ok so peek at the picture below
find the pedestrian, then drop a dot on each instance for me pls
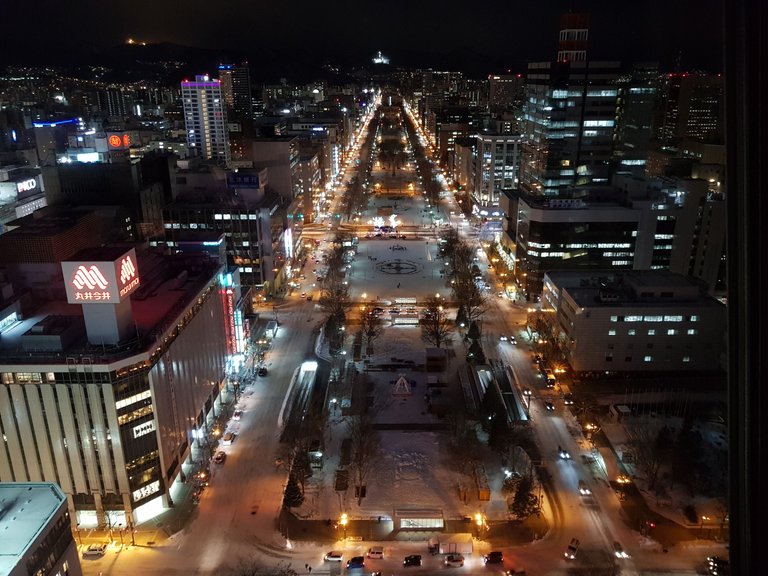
(306, 567)
(398, 284)
(309, 569)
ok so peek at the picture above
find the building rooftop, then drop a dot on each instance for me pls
(25, 509)
(633, 288)
(169, 284)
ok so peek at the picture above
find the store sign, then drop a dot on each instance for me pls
(101, 282)
(26, 185)
(243, 180)
(146, 491)
(119, 141)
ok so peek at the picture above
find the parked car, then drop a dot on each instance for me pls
(412, 560)
(262, 371)
(237, 415)
(333, 556)
(220, 457)
(355, 562)
(572, 549)
(95, 550)
(495, 557)
(454, 560)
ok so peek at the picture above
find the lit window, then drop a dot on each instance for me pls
(631, 332)
(671, 332)
(611, 332)
(692, 331)
(614, 318)
(651, 332)
(648, 359)
(686, 358)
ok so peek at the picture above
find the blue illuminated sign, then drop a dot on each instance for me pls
(54, 123)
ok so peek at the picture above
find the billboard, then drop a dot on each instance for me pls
(118, 140)
(243, 180)
(98, 282)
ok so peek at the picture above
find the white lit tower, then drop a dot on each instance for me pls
(205, 118)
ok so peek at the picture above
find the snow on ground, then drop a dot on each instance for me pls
(412, 471)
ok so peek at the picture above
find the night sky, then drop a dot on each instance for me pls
(478, 37)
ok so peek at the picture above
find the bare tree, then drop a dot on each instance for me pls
(651, 446)
(365, 450)
(372, 327)
(436, 328)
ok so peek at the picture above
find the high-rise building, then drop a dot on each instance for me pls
(205, 119)
(637, 93)
(109, 397)
(574, 38)
(568, 115)
(641, 224)
(236, 89)
(690, 106)
(497, 162)
(114, 102)
(568, 120)
(505, 92)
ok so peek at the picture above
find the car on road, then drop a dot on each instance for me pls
(454, 560)
(333, 556)
(220, 457)
(568, 399)
(549, 406)
(355, 562)
(237, 415)
(572, 549)
(618, 550)
(527, 392)
(376, 552)
(563, 453)
(495, 557)
(95, 550)
(513, 340)
(228, 438)
(303, 294)
(262, 371)
(309, 298)
(503, 338)
(584, 489)
(412, 560)
(718, 566)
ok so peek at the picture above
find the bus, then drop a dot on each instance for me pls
(271, 330)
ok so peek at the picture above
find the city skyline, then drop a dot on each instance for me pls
(483, 40)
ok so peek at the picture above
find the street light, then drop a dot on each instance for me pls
(343, 520)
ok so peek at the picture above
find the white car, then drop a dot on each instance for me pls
(573, 548)
(333, 556)
(454, 560)
(237, 415)
(376, 552)
(95, 550)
